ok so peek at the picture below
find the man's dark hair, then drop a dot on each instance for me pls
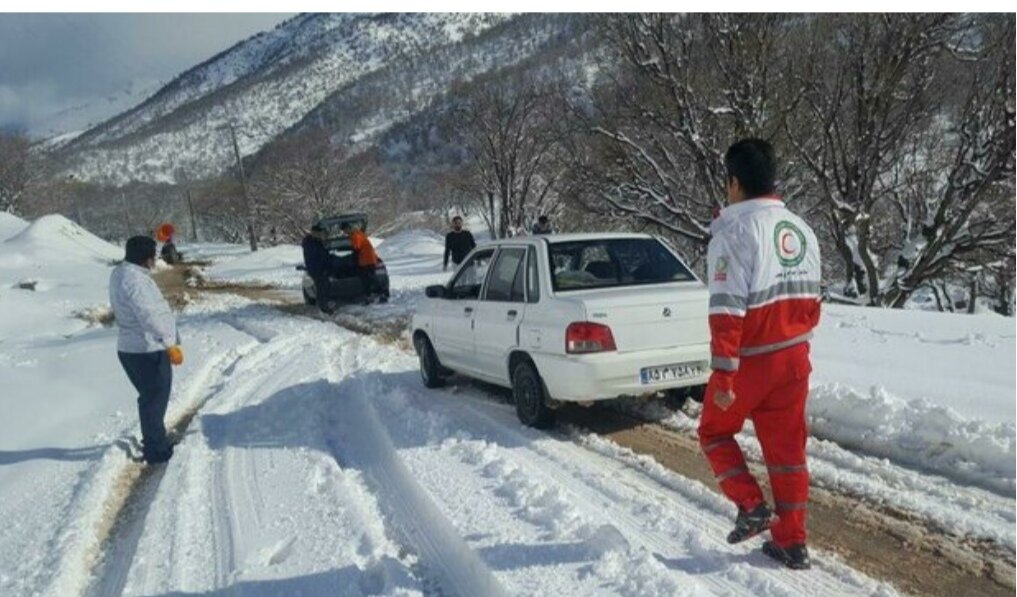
(752, 162)
(344, 226)
(140, 249)
(460, 218)
(317, 228)
(542, 219)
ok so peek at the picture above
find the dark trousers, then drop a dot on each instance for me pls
(369, 280)
(152, 376)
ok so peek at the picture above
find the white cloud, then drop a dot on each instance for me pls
(71, 70)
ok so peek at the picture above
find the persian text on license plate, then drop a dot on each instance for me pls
(663, 373)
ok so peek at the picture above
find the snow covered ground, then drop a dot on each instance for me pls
(316, 463)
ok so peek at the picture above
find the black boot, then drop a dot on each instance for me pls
(751, 523)
(795, 557)
(160, 457)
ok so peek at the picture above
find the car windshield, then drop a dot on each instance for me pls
(603, 263)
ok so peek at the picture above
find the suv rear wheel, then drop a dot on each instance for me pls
(531, 396)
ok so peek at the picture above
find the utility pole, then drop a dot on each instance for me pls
(494, 218)
(180, 176)
(127, 214)
(251, 236)
(194, 220)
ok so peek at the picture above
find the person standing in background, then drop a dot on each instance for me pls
(543, 226)
(458, 243)
(147, 342)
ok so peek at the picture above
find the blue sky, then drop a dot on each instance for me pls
(62, 72)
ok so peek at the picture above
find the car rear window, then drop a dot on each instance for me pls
(604, 263)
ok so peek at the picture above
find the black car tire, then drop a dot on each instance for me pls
(530, 397)
(697, 393)
(430, 367)
(677, 398)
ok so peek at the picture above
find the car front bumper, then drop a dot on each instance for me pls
(608, 375)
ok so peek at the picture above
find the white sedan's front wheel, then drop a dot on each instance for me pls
(430, 367)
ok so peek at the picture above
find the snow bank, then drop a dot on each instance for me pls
(413, 243)
(917, 433)
(931, 390)
(10, 225)
(964, 362)
(50, 270)
(274, 265)
(57, 236)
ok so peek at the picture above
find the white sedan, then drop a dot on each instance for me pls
(568, 318)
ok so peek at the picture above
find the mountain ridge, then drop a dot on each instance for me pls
(262, 86)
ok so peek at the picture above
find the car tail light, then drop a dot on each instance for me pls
(584, 337)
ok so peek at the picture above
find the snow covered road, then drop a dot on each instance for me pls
(319, 464)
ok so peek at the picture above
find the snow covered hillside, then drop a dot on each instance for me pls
(312, 460)
(358, 73)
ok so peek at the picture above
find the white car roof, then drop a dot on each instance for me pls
(562, 238)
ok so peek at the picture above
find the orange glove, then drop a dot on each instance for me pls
(176, 354)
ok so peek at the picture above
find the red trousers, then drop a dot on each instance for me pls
(771, 390)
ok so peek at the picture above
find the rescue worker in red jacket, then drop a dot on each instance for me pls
(764, 275)
(367, 261)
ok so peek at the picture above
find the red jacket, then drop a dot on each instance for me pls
(764, 275)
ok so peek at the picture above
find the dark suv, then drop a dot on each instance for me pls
(336, 290)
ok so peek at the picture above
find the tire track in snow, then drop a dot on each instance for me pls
(127, 504)
(136, 484)
(362, 441)
(213, 483)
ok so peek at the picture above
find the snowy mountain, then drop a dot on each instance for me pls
(68, 123)
(356, 73)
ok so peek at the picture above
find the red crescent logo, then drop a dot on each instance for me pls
(783, 243)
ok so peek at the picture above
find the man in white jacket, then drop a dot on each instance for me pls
(148, 342)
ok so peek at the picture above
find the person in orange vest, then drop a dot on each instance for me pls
(367, 261)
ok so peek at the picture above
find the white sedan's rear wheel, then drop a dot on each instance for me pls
(531, 397)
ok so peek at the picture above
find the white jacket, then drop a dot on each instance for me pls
(764, 276)
(143, 316)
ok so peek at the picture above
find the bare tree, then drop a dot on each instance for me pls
(961, 199)
(20, 167)
(303, 178)
(867, 89)
(515, 163)
(250, 208)
(688, 86)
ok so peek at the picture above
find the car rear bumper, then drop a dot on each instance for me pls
(603, 376)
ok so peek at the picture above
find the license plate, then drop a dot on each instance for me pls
(664, 373)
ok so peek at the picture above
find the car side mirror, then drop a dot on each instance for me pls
(301, 268)
(437, 291)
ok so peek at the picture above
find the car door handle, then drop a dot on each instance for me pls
(468, 310)
(512, 313)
